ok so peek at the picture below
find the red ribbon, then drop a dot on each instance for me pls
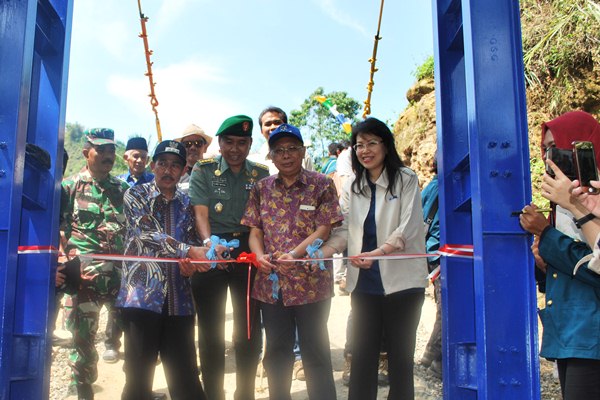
(249, 258)
(37, 249)
(457, 250)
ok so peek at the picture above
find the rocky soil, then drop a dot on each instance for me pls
(111, 378)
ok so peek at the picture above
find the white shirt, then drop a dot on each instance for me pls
(344, 163)
(399, 219)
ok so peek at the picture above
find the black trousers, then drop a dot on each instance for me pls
(280, 326)
(579, 378)
(397, 316)
(146, 335)
(210, 295)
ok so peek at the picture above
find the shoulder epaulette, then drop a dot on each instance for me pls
(259, 165)
(207, 160)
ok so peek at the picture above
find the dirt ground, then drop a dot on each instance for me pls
(111, 377)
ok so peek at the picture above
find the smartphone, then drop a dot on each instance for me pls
(563, 160)
(585, 165)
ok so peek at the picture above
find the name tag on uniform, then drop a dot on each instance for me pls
(305, 207)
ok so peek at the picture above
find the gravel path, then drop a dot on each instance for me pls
(111, 377)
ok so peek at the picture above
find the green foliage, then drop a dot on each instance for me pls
(425, 70)
(564, 39)
(537, 171)
(322, 126)
(74, 141)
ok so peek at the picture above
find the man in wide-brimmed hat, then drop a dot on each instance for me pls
(196, 141)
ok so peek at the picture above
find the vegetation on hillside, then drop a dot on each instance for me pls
(425, 70)
(561, 48)
(74, 140)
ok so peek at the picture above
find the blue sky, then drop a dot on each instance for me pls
(218, 58)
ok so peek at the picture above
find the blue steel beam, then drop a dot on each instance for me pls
(489, 319)
(489, 305)
(34, 49)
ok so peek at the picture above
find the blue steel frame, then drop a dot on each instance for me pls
(489, 305)
(34, 54)
(489, 322)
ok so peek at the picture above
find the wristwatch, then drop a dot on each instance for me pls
(579, 222)
(206, 241)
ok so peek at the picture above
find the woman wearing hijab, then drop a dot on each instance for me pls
(571, 318)
(382, 215)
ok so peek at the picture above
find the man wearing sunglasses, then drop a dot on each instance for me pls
(196, 141)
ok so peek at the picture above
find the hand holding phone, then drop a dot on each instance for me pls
(564, 161)
(585, 165)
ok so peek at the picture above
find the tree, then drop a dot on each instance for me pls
(322, 126)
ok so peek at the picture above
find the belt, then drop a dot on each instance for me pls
(233, 234)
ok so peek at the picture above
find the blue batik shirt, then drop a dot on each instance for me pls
(146, 177)
(157, 227)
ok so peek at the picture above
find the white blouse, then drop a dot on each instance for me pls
(399, 219)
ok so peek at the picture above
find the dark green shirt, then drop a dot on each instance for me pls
(223, 192)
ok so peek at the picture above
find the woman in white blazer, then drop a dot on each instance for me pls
(382, 215)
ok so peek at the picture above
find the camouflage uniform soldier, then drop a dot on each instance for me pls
(92, 222)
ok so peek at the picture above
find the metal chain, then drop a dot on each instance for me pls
(148, 52)
(372, 60)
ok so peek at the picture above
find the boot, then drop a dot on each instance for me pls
(346, 373)
(435, 369)
(85, 391)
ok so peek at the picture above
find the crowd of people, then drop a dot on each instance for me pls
(365, 203)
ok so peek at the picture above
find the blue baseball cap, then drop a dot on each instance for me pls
(284, 130)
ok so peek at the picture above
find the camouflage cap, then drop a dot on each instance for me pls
(100, 136)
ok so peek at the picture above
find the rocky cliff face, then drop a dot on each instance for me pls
(415, 129)
(561, 46)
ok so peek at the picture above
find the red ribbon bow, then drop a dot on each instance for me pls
(247, 258)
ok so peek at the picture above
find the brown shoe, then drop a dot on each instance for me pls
(298, 372)
(382, 374)
(342, 288)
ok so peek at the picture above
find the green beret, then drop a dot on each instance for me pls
(239, 125)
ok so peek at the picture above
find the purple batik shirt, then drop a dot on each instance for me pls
(287, 216)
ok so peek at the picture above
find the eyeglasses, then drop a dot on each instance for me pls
(292, 150)
(366, 146)
(197, 143)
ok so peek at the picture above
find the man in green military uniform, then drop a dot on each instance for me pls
(219, 189)
(92, 221)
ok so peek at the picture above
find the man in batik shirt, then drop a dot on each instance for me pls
(286, 213)
(156, 297)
